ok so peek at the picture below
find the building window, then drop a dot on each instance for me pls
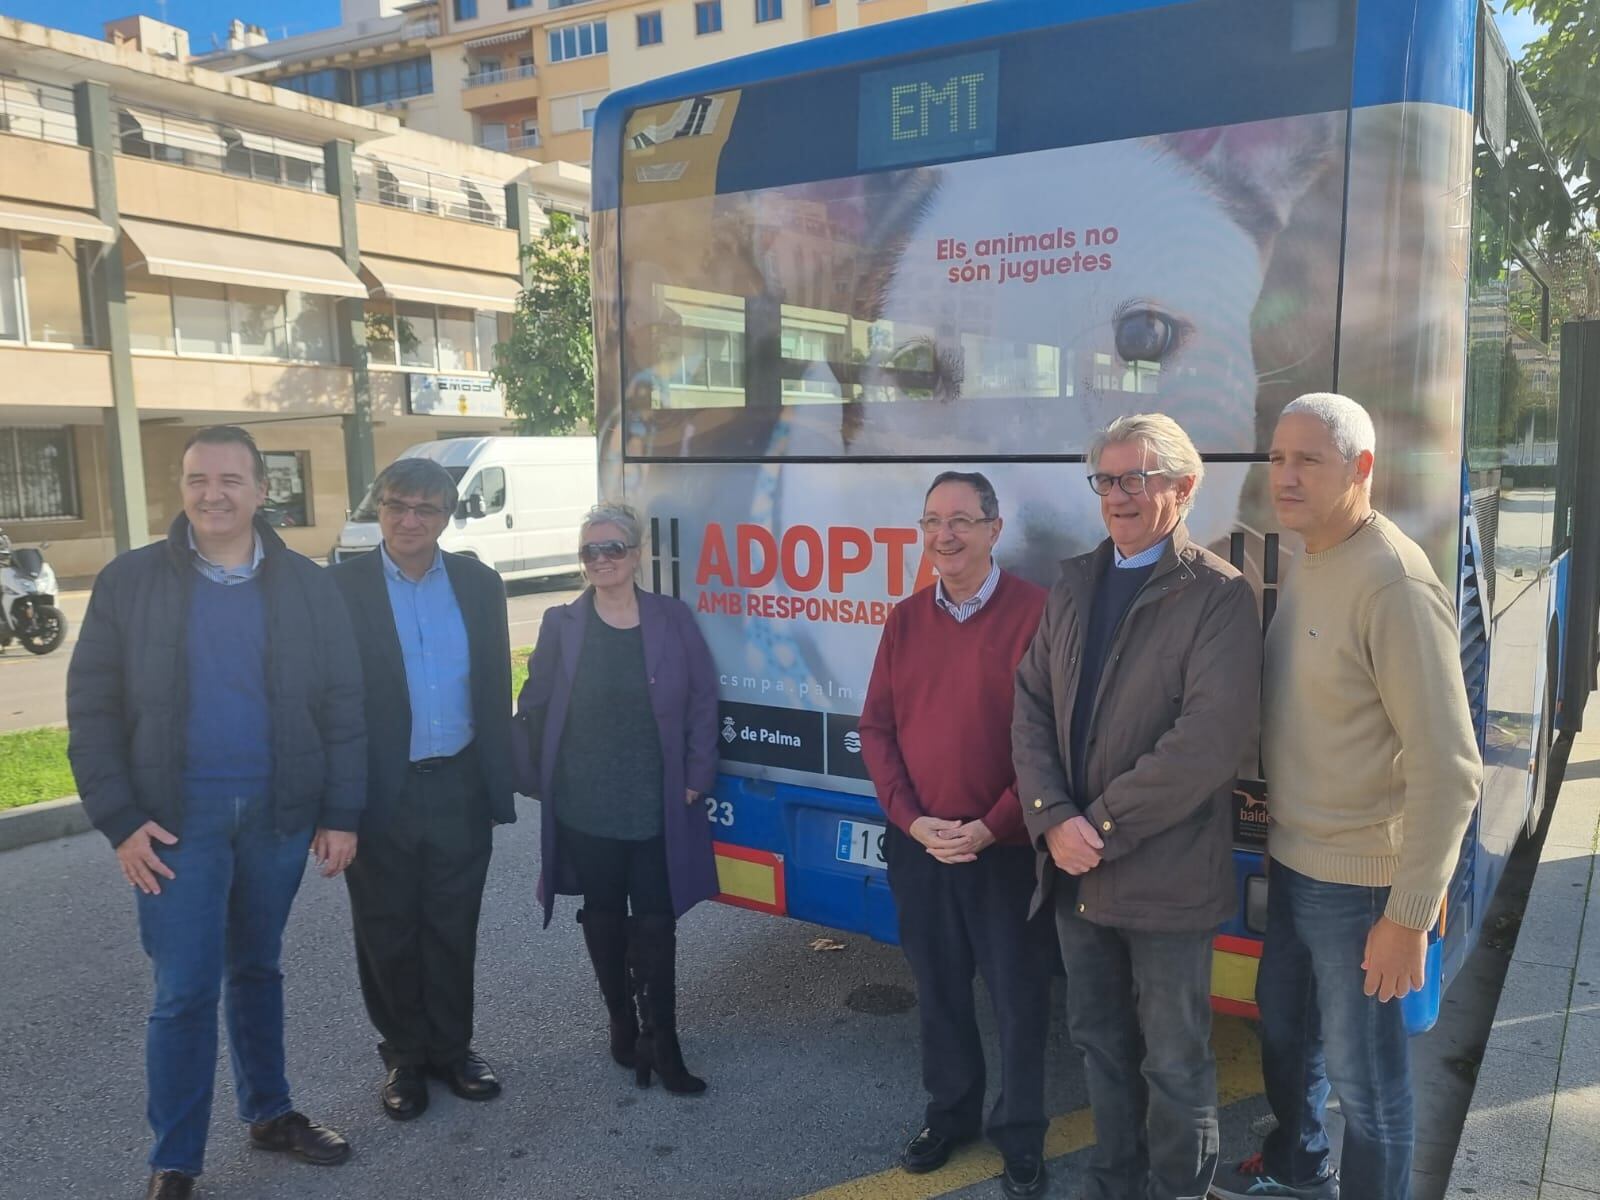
(513, 5)
(208, 318)
(395, 81)
(820, 3)
(649, 29)
(288, 503)
(44, 290)
(435, 339)
(332, 83)
(466, 10)
(577, 41)
(769, 10)
(38, 478)
(587, 117)
(10, 290)
(708, 16)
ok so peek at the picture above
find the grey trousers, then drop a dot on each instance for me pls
(1139, 1014)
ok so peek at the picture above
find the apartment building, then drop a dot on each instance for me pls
(180, 248)
(525, 76)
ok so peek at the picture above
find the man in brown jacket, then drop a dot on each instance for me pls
(1136, 704)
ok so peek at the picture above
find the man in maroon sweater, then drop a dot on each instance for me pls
(936, 735)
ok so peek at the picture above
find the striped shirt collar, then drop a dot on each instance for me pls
(969, 607)
(226, 575)
(1144, 558)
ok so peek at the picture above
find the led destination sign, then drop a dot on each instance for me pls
(945, 108)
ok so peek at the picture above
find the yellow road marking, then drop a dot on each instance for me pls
(1238, 1078)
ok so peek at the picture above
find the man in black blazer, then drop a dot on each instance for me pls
(436, 655)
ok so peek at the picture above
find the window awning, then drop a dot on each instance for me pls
(181, 253)
(180, 133)
(64, 222)
(264, 144)
(499, 39)
(395, 279)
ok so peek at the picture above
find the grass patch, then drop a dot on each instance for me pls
(33, 762)
(33, 767)
(519, 669)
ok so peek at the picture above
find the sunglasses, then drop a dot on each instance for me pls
(595, 551)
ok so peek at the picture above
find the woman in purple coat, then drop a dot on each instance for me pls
(621, 715)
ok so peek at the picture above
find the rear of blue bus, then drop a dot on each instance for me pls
(825, 273)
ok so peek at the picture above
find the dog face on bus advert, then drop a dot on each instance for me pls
(1130, 270)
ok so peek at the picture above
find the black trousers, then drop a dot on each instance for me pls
(614, 873)
(958, 920)
(1139, 1013)
(416, 889)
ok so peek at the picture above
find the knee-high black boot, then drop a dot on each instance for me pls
(653, 954)
(606, 936)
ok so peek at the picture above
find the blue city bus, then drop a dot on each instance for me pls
(825, 272)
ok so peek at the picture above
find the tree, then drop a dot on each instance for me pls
(1562, 71)
(547, 367)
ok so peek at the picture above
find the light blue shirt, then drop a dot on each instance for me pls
(1144, 558)
(226, 575)
(969, 607)
(433, 643)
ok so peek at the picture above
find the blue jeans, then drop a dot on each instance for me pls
(222, 916)
(1139, 1014)
(1320, 1032)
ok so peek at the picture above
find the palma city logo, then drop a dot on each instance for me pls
(730, 734)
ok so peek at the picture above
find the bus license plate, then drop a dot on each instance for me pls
(861, 843)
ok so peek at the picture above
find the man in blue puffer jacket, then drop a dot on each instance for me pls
(214, 704)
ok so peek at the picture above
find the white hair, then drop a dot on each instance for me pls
(608, 513)
(1175, 455)
(1347, 421)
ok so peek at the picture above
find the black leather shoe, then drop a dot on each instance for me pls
(405, 1093)
(1025, 1177)
(170, 1185)
(928, 1151)
(294, 1133)
(470, 1077)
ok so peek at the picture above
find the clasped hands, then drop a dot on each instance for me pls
(1074, 845)
(952, 841)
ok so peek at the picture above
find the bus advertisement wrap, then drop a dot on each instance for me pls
(792, 605)
(824, 275)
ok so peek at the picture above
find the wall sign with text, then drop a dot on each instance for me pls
(455, 396)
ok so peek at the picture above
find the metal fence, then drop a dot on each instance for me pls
(38, 110)
(400, 186)
(501, 75)
(214, 146)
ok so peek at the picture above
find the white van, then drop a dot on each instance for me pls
(522, 500)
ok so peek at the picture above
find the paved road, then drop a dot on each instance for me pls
(814, 1079)
(33, 689)
(809, 1089)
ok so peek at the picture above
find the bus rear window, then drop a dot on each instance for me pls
(1003, 306)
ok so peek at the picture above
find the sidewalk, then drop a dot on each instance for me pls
(1533, 1131)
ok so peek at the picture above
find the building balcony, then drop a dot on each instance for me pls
(515, 144)
(488, 89)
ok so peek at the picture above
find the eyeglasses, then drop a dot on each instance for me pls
(1132, 483)
(960, 526)
(595, 551)
(398, 510)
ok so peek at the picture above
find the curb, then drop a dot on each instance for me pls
(1528, 1103)
(43, 822)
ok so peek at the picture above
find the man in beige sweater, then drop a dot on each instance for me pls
(1372, 772)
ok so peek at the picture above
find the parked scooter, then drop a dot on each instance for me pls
(28, 612)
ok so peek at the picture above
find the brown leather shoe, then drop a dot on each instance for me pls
(294, 1133)
(170, 1185)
